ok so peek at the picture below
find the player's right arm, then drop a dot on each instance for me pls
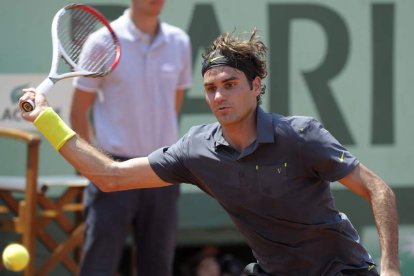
(106, 173)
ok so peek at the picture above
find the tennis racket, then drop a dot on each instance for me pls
(75, 29)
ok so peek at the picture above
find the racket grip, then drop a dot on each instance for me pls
(27, 105)
(43, 87)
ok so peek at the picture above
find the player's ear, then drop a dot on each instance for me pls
(257, 85)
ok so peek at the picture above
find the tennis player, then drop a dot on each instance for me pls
(271, 173)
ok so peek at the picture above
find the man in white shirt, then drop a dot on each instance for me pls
(134, 111)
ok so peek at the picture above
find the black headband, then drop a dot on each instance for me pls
(218, 59)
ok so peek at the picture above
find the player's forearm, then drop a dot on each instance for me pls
(82, 156)
(106, 173)
(384, 207)
(90, 162)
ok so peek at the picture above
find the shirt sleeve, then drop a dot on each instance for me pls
(91, 85)
(169, 163)
(323, 155)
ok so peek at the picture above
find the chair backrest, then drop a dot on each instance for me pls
(27, 214)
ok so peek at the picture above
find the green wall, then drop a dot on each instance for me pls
(345, 62)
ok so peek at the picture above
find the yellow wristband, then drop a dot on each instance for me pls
(53, 128)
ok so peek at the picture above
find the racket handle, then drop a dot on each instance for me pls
(43, 87)
(27, 105)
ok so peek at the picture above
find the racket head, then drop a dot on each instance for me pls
(75, 30)
(86, 42)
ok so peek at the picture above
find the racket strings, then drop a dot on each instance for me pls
(77, 28)
(102, 54)
(72, 38)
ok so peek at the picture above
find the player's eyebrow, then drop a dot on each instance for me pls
(232, 78)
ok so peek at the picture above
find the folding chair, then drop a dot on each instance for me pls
(31, 214)
(24, 220)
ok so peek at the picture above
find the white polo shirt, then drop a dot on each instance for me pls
(134, 112)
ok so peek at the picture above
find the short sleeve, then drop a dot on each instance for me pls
(323, 155)
(169, 162)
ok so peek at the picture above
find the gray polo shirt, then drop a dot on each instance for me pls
(276, 191)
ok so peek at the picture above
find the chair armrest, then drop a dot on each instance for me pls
(23, 135)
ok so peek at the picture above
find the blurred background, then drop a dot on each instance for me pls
(347, 63)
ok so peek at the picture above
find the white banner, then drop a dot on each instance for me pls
(11, 86)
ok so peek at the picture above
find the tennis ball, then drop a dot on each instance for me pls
(15, 257)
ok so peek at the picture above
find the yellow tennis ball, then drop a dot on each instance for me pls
(15, 257)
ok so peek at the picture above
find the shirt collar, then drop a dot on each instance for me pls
(264, 129)
(136, 34)
(218, 137)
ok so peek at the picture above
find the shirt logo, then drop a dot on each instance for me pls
(341, 159)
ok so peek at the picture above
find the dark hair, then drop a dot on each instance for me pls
(249, 54)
